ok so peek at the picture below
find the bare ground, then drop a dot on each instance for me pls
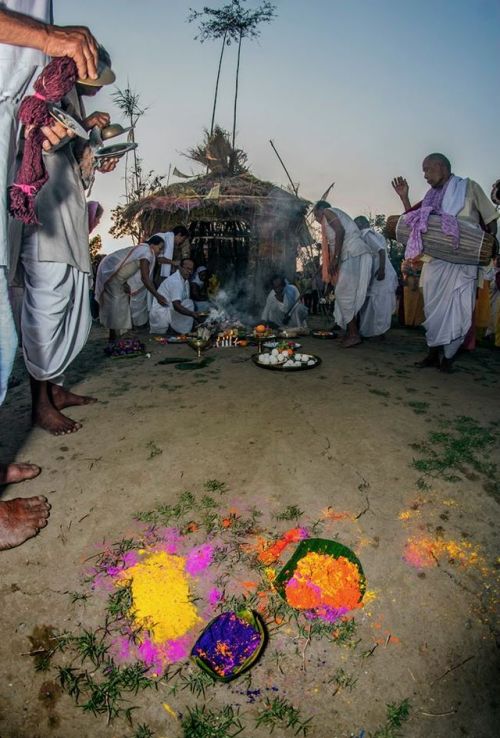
(337, 436)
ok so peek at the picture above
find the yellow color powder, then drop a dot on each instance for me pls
(160, 595)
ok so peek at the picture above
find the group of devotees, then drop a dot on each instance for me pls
(47, 266)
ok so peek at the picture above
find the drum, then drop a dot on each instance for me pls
(474, 246)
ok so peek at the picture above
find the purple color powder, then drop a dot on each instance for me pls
(227, 643)
(199, 559)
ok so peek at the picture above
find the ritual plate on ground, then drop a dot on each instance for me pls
(287, 366)
(324, 334)
(115, 150)
(177, 339)
(289, 344)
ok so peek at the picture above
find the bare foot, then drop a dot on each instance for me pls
(62, 398)
(21, 519)
(51, 420)
(13, 473)
(351, 341)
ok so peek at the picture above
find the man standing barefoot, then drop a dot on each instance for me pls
(27, 37)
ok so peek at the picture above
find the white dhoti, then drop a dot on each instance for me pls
(140, 300)
(275, 312)
(352, 287)
(449, 300)
(376, 313)
(55, 318)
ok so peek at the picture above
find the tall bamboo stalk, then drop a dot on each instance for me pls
(217, 82)
(236, 87)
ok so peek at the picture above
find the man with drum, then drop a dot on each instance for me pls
(449, 289)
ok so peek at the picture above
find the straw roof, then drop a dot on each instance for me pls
(216, 198)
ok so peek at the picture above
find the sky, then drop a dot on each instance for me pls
(351, 91)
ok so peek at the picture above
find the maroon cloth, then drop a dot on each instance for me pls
(55, 81)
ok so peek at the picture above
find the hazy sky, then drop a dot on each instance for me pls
(355, 91)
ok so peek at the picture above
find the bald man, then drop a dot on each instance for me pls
(449, 289)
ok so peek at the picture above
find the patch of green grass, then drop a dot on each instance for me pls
(419, 408)
(214, 485)
(464, 443)
(197, 682)
(292, 512)
(154, 450)
(397, 714)
(380, 393)
(342, 680)
(279, 713)
(201, 722)
(120, 602)
(143, 731)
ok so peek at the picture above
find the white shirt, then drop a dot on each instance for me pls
(176, 288)
(168, 252)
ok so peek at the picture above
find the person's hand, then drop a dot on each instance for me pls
(99, 119)
(162, 300)
(380, 275)
(107, 165)
(401, 187)
(126, 288)
(199, 318)
(54, 134)
(162, 260)
(76, 42)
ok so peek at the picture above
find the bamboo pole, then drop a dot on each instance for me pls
(294, 188)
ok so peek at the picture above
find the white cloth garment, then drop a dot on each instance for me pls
(140, 300)
(174, 288)
(355, 269)
(449, 290)
(55, 318)
(18, 67)
(275, 311)
(380, 304)
(168, 252)
(112, 274)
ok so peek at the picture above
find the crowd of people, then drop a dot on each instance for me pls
(46, 259)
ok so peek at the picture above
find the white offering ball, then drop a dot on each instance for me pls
(311, 362)
(281, 358)
(264, 359)
(274, 352)
(273, 360)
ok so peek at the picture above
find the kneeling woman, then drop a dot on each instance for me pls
(112, 291)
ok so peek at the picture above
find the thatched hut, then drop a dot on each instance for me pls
(243, 228)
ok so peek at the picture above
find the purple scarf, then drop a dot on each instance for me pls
(419, 219)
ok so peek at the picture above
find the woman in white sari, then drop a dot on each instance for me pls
(112, 291)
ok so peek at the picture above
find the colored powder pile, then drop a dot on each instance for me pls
(326, 585)
(227, 644)
(270, 554)
(423, 553)
(161, 597)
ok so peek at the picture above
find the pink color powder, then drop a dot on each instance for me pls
(178, 650)
(214, 597)
(199, 559)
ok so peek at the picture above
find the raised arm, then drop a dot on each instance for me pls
(339, 230)
(402, 190)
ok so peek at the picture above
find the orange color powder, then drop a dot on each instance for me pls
(425, 552)
(271, 553)
(320, 580)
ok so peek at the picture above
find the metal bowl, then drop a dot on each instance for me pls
(113, 130)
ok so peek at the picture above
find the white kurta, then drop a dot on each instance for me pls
(275, 311)
(18, 67)
(355, 269)
(174, 288)
(380, 304)
(168, 253)
(113, 273)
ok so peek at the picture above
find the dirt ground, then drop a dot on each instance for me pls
(341, 437)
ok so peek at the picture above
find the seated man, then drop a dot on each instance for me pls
(283, 307)
(199, 289)
(177, 309)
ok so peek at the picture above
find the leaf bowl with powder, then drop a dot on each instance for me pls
(230, 644)
(323, 579)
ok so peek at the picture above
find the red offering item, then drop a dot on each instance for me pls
(55, 81)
